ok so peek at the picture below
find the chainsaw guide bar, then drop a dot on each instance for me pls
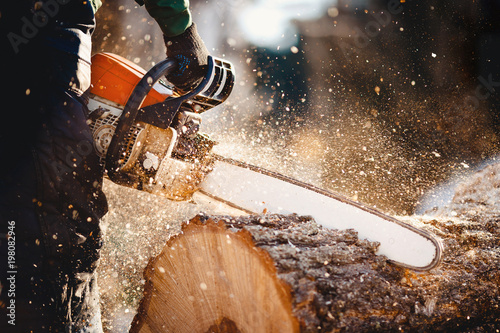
(256, 190)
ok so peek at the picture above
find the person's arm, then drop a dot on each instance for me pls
(173, 16)
(181, 39)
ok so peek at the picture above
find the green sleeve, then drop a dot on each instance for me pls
(173, 16)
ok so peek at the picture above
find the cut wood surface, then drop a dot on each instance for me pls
(210, 279)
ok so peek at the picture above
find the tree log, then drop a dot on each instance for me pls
(274, 273)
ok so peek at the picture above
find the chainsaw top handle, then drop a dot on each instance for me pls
(212, 90)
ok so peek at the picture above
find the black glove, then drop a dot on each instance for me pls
(191, 53)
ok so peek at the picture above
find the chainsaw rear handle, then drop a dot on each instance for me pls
(213, 88)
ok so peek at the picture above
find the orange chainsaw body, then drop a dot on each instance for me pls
(114, 78)
(157, 149)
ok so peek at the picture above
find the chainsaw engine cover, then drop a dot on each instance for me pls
(114, 78)
(161, 150)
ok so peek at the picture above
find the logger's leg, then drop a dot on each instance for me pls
(50, 184)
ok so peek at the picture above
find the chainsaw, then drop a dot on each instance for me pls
(148, 136)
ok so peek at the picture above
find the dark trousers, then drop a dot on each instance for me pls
(50, 180)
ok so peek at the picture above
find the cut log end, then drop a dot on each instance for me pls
(211, 279)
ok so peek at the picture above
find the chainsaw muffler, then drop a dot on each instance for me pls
(145, 132)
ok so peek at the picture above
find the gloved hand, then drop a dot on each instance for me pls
(191, 53)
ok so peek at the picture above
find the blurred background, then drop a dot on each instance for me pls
(383, 101)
